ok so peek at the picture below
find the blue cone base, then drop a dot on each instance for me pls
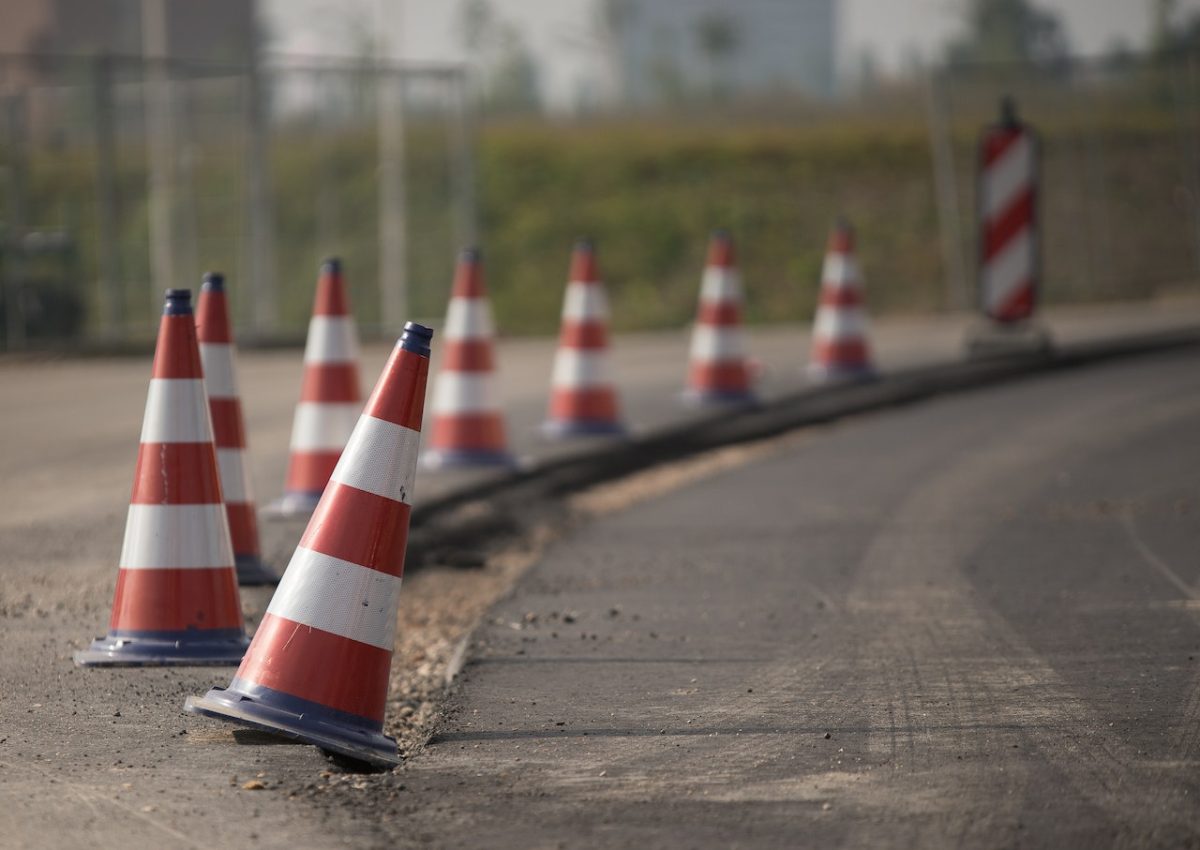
(164, 649)
(716, 398)
(362, 744)
(560, 429)
(833, 374)
(296, 504)
(252, 572)
(435, 459)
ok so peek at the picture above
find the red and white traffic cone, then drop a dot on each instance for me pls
(468, 428)
(719, 373)
(583, 401)
(329, 398)
(217, 354)
(318, 667)
(177, 598)
(839, 347)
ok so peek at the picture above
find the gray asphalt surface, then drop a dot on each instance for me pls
(865, 584)
(970, 623)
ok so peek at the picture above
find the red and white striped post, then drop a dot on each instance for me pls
(317, 669)
(1008, 227)
(218, 355)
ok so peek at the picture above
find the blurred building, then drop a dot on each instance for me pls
(222, 31)
(667, 49)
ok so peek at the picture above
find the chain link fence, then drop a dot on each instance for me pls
(122, 176)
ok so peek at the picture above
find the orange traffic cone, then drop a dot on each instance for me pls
(719, 373)
(839, 346)
(583, 400)
(329, 398)
(217, 354)
(177, 599)
(318, 667)
(468, 428)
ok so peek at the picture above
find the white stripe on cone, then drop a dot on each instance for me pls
(576, 368)
(839, 323)
(323, 426)
(585, 301)
(217, 360)
(720, 285)
(331, 339)
(340, 597)
(840, 270)
(181, 537)
(381, 459)
(176, 412)
(463, 392)
(1007, 176)
(1007, 271)
(717, 342)
(468, 318)
(235, 483)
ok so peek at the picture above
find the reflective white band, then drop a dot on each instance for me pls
(720, 285)
(463, 392)
(184, 537)
(1008, 270)
(235, 480)
(468, 318)
(323, 426)
(176, 412)
(575, 368)
(337, 596)
(585, 301)
(331, 339)
(710, 342)
(840, 323)
(840, 270)
(217, 360)
(1006, 177)
(381, 458)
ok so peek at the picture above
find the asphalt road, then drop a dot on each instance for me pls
(996, 577)
(974, 622)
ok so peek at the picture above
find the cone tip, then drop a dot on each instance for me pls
(213, 282)
(416, 338)
(178, 302)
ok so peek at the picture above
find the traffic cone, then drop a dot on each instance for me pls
(839, 347)
(177, 598)
(318, 667)
(583, 401)
(329, 398)
(719, 373)
(468, 428)
(217, 354)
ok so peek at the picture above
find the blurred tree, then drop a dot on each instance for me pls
(1010, 31)
(515, 81)
(719, 39)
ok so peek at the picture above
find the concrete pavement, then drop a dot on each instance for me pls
(975, 622)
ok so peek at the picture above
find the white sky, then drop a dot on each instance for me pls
(556, 29)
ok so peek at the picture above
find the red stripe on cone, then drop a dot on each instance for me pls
(342, 674)
(175, 474)
(359, 527)
(169, 600)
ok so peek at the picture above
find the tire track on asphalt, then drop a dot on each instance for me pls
(927, 610)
